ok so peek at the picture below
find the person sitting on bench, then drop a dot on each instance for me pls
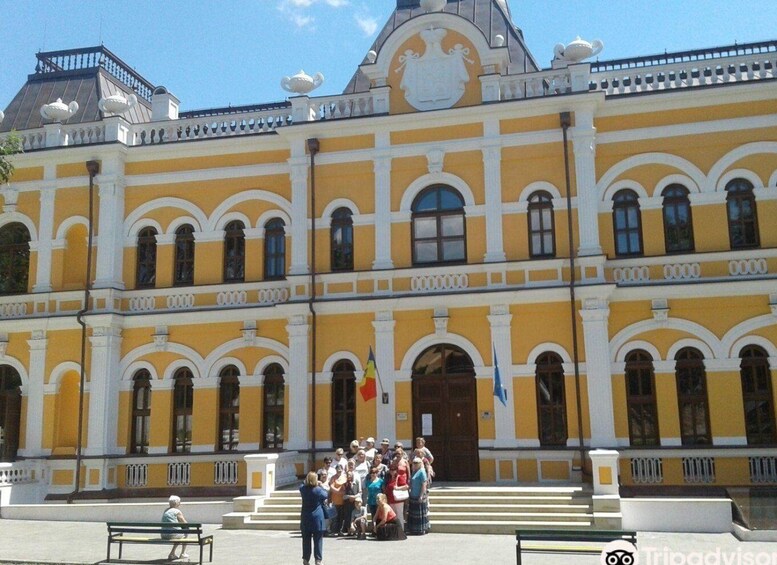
(174, 515)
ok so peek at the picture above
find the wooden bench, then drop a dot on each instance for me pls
(551, 537)
(151, 533)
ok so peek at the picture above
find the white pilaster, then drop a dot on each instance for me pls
(45, 239)
(34, 425)
(595, 314)
(297, 383)
(492, 172)
(103, 391)
(504, 416)
(584, 144)
(110, 248)
(384, 360)
(382, 169)
(299, 215)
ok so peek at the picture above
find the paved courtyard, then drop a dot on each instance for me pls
(81, 543)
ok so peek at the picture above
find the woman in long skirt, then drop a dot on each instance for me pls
(418, 512)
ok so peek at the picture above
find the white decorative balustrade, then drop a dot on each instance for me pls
(428, 283)
(534, 85)
(231, 298)
(85, 134)
(225, 472)
(16, 473)
(631, 274)
(343, 106)
(699, 470)
(142, 303)
(763, 469)
(136, 475)
(179, 474)
(13, 309)
(180, 301)
(740, 267)
(273, 295)
(647, 470)
(682, 271)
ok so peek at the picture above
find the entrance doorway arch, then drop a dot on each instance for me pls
(445, 411)
(10, 412)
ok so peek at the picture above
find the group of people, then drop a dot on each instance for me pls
(388, 485)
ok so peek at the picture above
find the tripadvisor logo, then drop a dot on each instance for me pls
(619, 552)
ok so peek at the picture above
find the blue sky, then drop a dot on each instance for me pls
(215, 53)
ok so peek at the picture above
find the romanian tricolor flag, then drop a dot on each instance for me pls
(369, 387)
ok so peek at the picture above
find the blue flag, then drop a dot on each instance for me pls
(499, 390)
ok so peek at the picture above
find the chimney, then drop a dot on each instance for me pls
(164, 105)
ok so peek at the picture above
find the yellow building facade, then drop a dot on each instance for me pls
(245, 263)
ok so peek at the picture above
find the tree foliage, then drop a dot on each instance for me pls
(9, 146)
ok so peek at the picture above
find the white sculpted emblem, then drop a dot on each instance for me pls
(435, 80)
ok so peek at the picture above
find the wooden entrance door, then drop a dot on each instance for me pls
(445, 411)
(10, 412)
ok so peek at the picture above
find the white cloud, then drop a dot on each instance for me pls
(367, 24)
(296, 10)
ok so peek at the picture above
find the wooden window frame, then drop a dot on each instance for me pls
(273, 377)
(688, 360)
(673, 200)
(753, 359)
(619, 202)
(183, 390)
(141, 415)
(184, 256)
(145, 264)
(538, 202)
(439, 214)
(549, 367)
(14, 259)
(234, 252)
(739, 191)
(639, 361)
(275, 231)
(341, 254)
(229, 409)
(343, 391)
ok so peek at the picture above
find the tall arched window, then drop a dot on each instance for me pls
(742, 215)
(692, 397)
(641, 399)
(183, 403)
(757, 395)
(184, 256)
(234, 252)
(341, 240)
(145, 274)
(551, 400)
(14, 258)
(10, 412)
(229, 409)
(273, 409)
(678, 224)
(627, 223)
(274, 249)
(343, 403)
(542, 239)
(438, 228)
(141, 411)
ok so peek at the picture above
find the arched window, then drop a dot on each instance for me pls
(183, 401)
(627, 223)
(234, 252)
(145, 274)
(343, 403)
(341, 240)
(542, 239)
(757, 396)
(274, 249)
(439, 234)
(184, 256)
(141, 411)
(692, 397)
(678, 223)
(641, 399)
(10, 412)
(273, 409)
(14, 258)
(551, 400)
(229, 409)
(742, 215)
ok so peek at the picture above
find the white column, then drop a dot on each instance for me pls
(584, 144)
(504, 416)
(103, 391)
(297, 383)
(382, 169)
(110, 247)
(384, 361)
(595, 314)
(45, 237)
(299, 216)
(37, 374)
(492, 169)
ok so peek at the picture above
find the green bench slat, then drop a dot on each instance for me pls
(562, 536)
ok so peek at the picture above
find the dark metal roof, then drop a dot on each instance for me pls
(492, 17)
(84, 75)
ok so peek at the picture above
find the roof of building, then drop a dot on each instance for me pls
(492, 17)
(84, 75)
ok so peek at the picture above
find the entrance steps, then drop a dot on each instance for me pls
(452, 509)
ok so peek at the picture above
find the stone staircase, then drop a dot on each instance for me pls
(452, 509)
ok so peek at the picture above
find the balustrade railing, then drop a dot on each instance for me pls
(136, 475)
(533, 85)
(225, 472)
(15, 473)
(699, 469)
(647, 470)
(179, 474)
(763, 469)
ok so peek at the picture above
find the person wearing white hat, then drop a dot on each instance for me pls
(369, 450)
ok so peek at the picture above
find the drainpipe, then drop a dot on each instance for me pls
(93, 168)
(313, 148)
(566, 121)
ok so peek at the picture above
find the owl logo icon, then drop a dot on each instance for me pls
(619, 552)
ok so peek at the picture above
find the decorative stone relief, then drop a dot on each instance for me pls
(10, 198)
(660, 309)
(3, 344)
(161, 337)
(773, 304)
(434, 80)
(435, 158)
(249, 332)
(441, 321)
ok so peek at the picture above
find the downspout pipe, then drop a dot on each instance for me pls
(566, 121)
(313, 149)
(93, 168)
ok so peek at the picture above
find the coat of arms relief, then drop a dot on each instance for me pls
(434, 80)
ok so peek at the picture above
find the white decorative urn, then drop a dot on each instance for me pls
(117, 103)
(58, 111)
(302, 83)
(433, 5)
(2, 116)
(578, 50)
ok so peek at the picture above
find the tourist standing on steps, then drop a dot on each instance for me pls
(312, 519)
(418, 511)
(173, 515)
